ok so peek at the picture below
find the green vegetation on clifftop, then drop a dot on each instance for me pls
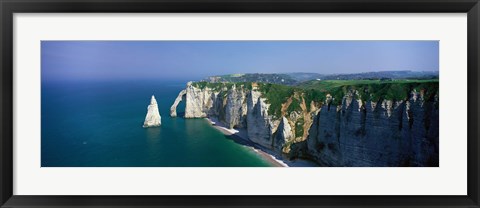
(276, 95)
(316, 91)
(221, 85)
(376, 90)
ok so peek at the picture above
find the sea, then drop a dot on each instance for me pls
(99, 124)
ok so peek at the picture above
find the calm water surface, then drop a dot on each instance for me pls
(99, 124)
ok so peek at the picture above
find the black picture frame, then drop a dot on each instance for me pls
(9, 7)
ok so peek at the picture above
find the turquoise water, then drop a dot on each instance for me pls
(99, 124)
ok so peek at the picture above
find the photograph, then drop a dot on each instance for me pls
(239, 103)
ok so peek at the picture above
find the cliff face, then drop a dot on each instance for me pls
(357, 133)
(237, 107)
(351, 133)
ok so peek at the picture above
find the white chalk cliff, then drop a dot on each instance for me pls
(173, 109)
(153, 116)
(346, 130)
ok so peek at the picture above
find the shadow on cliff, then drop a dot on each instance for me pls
(296, 162)
(239, 140)
(181, 114)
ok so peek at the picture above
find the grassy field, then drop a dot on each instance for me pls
(375, 89)
(332, 84)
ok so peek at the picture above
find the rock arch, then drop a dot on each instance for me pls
(173, 109)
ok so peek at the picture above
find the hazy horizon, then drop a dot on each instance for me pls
(193, 60)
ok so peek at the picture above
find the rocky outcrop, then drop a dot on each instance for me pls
(338, 131)
(152, 119)
(198, 101)
(173, 109)
(283, 135)
(259, 124)
(236, 108)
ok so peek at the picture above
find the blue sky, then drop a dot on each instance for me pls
(191, 60)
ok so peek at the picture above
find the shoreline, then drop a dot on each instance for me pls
(240, 136)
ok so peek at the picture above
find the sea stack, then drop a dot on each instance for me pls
(153, 116)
